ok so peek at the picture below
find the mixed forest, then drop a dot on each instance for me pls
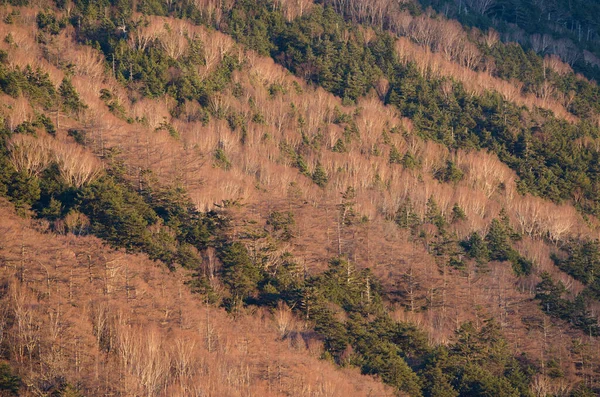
(299, 198)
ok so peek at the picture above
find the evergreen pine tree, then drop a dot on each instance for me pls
(395, 156)
(69, 97)
(476, 248)
(458, 214)
(319, 175)
(405, 216)
(498, 242)
(239, 273)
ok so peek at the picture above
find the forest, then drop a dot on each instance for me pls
(297, 197)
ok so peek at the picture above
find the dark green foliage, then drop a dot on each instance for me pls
(406, 217)
(384, 359)
(339, 283)
(24, 190)
(498, 242)
(582, 261)
(433, 214)
(9, 383)
(347, 214)
(150, 70)
(500, 248)
(70, 98)
(10, 18)
(478, 363)
(589, 70)
(251, 23)
(583, 391)
(516, 64)
(550, 295)
(410, 162)
(162, 223)
(80, 136)
(554, 370)
(20, 188)
(282, 224)
(463, 121)
(176, 211)
(221, 160)
(113, 104)
(153, 7)
(56, 197)
(157, 221)
(334, 334)
(166, 126)
(302, 166)
(497, 246)
(471, 122)
(276, 89)
(117, 214)
(17, 3)
(572, 20)
(34, 84)
(283, 282)
(436, 378)
(380, 346)
(319, 175)
(522, 266)
(52, 211)
(458, 214)
(48, 23)
(9, 83)
(396, 157)
(476, 381)
(344, 303)
(450, 174)
(476, 248)
(345, 68)
(296, 158)
(44, 121)
(339, 147)
(325, 49)
(30, 127)
(239, 273)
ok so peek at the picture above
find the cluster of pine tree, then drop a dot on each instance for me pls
(329, 51)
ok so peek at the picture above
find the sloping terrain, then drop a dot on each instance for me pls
(106, 322)
(289, 186)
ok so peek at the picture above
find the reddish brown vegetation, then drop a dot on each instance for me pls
(113, 322)
(109, 322)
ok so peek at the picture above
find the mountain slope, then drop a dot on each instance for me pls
(101, 321)
(392, 240)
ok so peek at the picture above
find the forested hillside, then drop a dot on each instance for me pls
(569, 29)
(301, 198)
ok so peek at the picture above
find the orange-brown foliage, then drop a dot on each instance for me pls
(436, 65)
(109, 322)
(121, 294)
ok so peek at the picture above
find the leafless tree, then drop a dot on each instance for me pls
(540, 42)
(77, 166)
(29, 154)
(283, 318)
(480, 6)
(491, 38)
(183, 358)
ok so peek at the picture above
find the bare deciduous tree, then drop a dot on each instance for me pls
(480, 6)
(77, 166)
(284, 319)
(29, 154)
